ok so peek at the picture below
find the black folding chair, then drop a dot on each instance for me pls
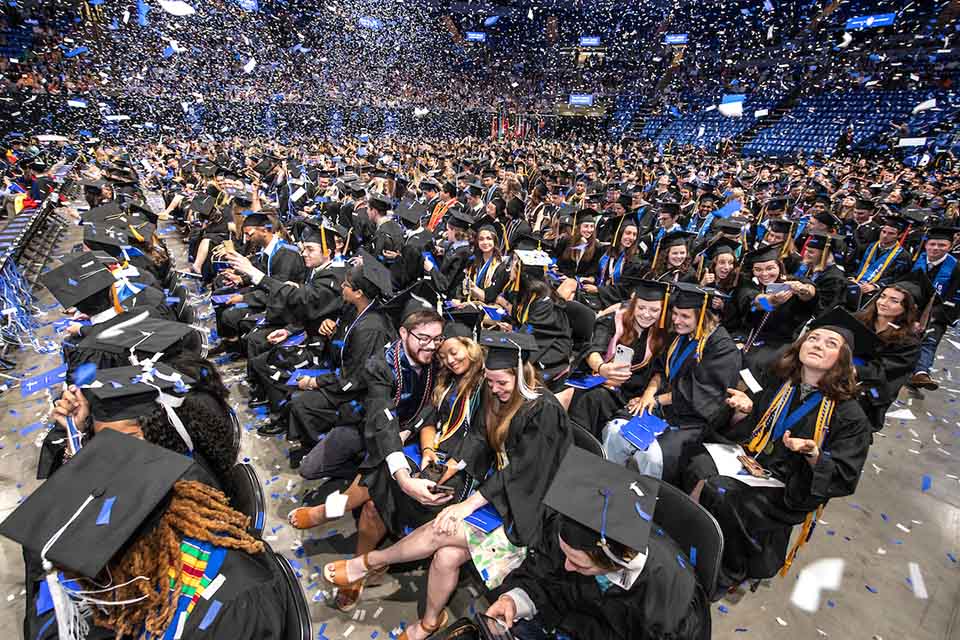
(586, 440)
(187, 314)
(695, 531)
(298, 623)
(243, 488)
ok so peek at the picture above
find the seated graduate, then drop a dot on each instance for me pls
(528, 431)
(820, 268)
(329, 401)
(893, 316)
(618, 265)
(137, 245)
(770, 320)
(448, 447)
(720, 273)
(671, 259)
(578, 256)
(808, 431)
(687, 389)
(487, 270)
(150, 403)
(127, 541)
(535, 309)
(457, 249)
(638, 325)
(275, 258)
(602, 569)
(292, 308)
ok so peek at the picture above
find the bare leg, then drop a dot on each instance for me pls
(315, 516)
(371, 529)
(441, 583)
(420, 544)
(695, 494)
(565, 397)
(567, 289)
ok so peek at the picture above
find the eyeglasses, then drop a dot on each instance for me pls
(426, 340)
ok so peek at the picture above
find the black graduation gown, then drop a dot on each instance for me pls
(610, 292)
(571, 267)
(252, 603)
(448, 278)
(285, 265)
(698, 392)
(883, 374)
(547, 321)
(593, 408)
(666, 601)
(494, 279)
(468, 443)
(757, 521)
(317, 299)
(831, 284)
(779, 327)
(537, 440)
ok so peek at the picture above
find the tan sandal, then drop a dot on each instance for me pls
(335, 573)
(441, 623)
(299, 518)
(348, 593)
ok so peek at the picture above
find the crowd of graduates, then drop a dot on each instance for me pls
(446, 326)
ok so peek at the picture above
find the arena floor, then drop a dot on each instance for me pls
(906, 510)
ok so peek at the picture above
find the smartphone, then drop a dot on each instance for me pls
(442, 488)
(623, 355)
(492, 629)
(220, 265)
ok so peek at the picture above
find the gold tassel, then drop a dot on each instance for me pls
(703, 314)
(135, 233)
(823, 256)
(663, 311)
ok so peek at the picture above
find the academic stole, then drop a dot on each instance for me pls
(774, 422)
(201, 565)
(872, 270)
(461, 408)
(942, 278)
(616, 269)
(523, 311)
(680, 342)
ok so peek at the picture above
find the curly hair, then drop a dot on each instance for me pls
(194, 510)
(211, 433)
(839, 383)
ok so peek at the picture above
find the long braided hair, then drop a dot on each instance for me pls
(195, 510)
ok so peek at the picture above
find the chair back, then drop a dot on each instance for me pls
(298, 623)
(586, 440)
(243, 488)
(582, 319)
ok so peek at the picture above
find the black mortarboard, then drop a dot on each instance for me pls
(475, 189)
(830, 220)
(602, 501)
(257, 220)
(650, 290)
(819, 239)
(675, 239)
(690, 296)
(777, 204)
(863, 203)
(142, 334)
(429, 183)
(897, 222)
(763, 254)
(123, 393)
(411, 214)
(124, 479)
(781, 226)
(723, 245)
(108, 212)
(672, 208)
(80, 278)
(503, 348)
(316, 234)
(418, 296)
(379, 202)
(463, 322)
(94, 184)
(727, 225)
(918, 285)
(460, 219)
(861, 340)
(942, 233)
(111, 236)
(376, 274)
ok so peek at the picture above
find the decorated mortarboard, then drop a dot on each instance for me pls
(257, 220)
(84, 514)
(505, 350)
(78, 279)
(533, 257)
(106, 235)
(861, 340)
(139, 333)
(126, 393)
(601, 501)
(376, 274)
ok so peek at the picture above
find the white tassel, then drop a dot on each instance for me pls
(71, 621)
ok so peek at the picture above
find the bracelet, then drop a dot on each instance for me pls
(428, 449)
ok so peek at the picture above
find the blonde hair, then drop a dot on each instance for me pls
(499, 414)
(469, 380)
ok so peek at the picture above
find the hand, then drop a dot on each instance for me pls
(739, 401)
(419, 490)
(716, 303)
(391, 255)
(779, 298)
(429, 456)
(476, 292)
(708, 278)
(239, 262)
(504, 610)
(327, 327)
(278, 336)
(505, 326)
(291, 283)
(644, 404)
(305, 383)
(73, 329)
(232, 278)
(72, 403)
(427, 265)
(614, 372)
(235, 298)
(867, 287)
(450, 519)
(589, 288)
(803, 446)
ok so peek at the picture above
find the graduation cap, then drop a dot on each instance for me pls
(861, 340)
(107, 212)
(314, 233)
(918, 285)
(864, 204)
(830, 220)
(533, 257)
(601, 501)
(126, 393)
(676, 239)
(379, 202)
(463, 322)
(475, 189)
(690, 296)
(942, 233)
(429, 184)
(507, 350)
(411, 214)
(82, 277)
(723, 246)
(654, 291)
(375, 275)
(106, 235)
(727, 225)
(460, 219)
(202, 205)
(896, 222)
(94, 185)
(419, 296)
(84, 514)
(139, 333)
(257, 220)
(764, 254)
(670, 208)
(781, 226)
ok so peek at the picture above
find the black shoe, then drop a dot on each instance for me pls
(296, 457)
(272, 428)
(225, 346)
(256, 401)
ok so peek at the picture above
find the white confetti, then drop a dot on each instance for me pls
(177, 8)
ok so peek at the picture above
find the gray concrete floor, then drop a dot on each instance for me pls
(889, 523)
